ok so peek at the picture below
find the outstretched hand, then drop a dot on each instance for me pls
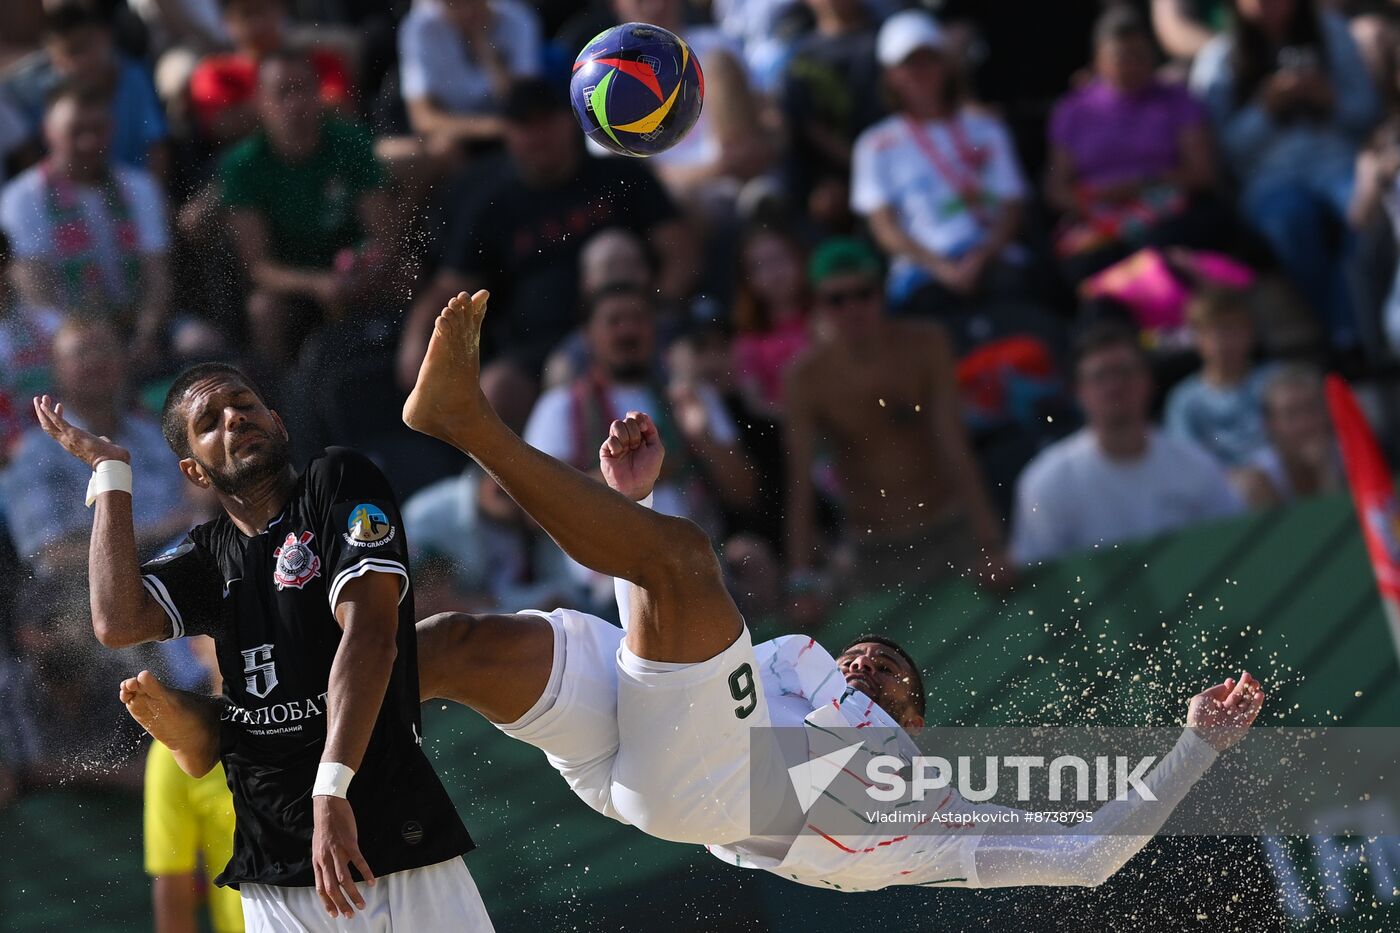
(631, 456)
(1222, 714)
(84, 445)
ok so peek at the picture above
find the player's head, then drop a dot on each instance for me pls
(885, 672)
(621, 332)
(844, 274)
(541, 134)
(226, 437)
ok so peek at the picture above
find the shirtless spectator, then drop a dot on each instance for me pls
(881, 394)
(223, 88)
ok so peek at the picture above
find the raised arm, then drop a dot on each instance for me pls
(123, 611)
(1088, 854)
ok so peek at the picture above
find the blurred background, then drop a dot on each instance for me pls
(999, 327)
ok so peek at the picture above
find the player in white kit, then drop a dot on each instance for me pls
(652, 725)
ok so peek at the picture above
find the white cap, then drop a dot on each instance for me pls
(905, 33)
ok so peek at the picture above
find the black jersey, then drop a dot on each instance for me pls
(267, 600)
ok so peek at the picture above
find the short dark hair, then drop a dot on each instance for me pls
(1105, 335)
(172, 421)
(73, 15)
(916, 683)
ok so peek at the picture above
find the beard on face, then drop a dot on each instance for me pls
(240, 478)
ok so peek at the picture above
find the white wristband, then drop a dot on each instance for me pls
(332, 780)
(110, 476)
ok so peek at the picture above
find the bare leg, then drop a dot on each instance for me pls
(497, 665)
(186, 723)
(682, 612)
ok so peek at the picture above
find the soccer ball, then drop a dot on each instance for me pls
(637, 89)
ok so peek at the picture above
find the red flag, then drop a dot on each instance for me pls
(1373, 493)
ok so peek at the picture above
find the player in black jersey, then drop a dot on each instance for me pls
(303, 582)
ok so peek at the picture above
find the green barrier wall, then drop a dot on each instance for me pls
(1121, 637)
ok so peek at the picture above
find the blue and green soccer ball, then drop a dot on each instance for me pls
(637, 89)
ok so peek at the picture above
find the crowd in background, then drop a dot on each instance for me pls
(930, 290)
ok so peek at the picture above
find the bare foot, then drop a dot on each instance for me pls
(183, 722)
(448, 394)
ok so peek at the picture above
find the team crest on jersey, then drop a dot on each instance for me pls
(297, 564)
(368, 526)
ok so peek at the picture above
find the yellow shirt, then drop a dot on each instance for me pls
(187, 818)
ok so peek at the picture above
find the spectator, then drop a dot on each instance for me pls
(223, 92)
(457, 59)
(610, 257)
(518, 231)
(701, 440)
(830, 94)
(1301, 458)
(492, 556)
(188, 829)
(938, 183)
(88, 235)
(43, 487)
(79, 48)
(770, 314)
(307, 209)
(1130, 156)
(728, 144)
(918, 510)
(1117, 478)
(1292, 103)
(1219, 409)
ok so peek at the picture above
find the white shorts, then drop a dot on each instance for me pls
(667, 752)
(432, 899)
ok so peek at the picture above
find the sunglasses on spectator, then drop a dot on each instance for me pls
(841, 297)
